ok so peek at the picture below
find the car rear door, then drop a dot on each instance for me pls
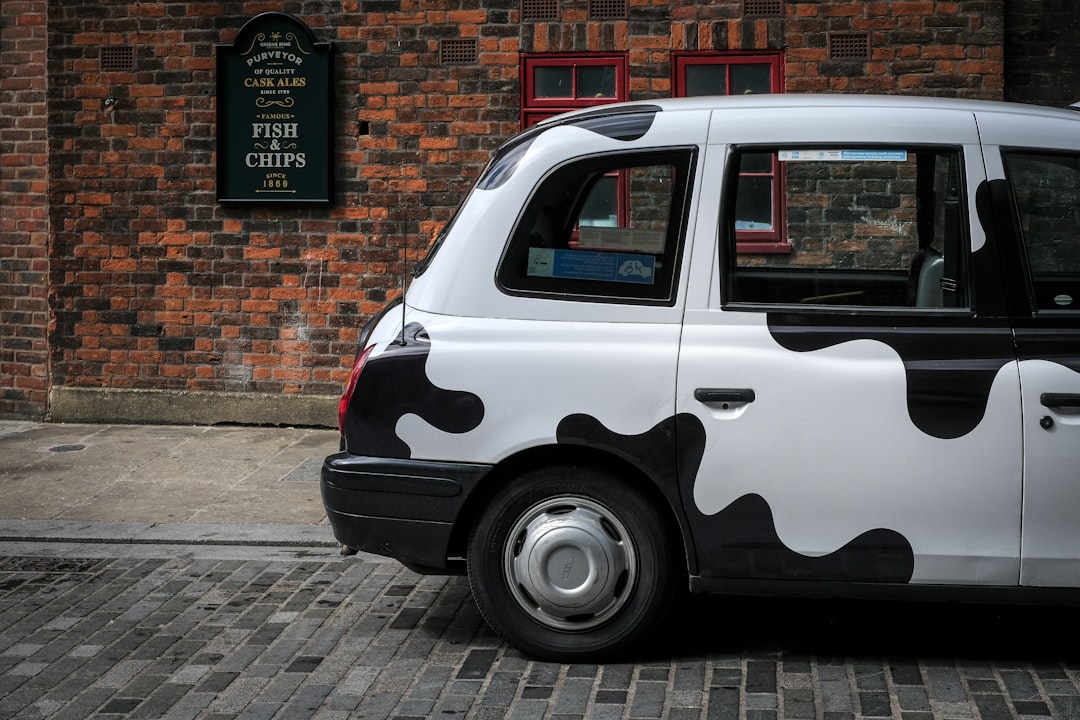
(839, 422)
(1034, 168)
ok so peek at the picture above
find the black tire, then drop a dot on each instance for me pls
(572, 564)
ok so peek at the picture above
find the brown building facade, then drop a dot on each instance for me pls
(129, 292)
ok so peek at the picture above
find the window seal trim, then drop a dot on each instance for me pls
(849, 310)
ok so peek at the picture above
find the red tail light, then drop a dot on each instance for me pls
(343, 406)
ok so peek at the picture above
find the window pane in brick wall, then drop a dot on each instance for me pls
(706, 80)
(554, 82)
(720, 73)
(601, 207)
(751, 79)
(597, 81)
(557, 82)
(754, 204)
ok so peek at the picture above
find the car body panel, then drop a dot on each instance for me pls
(599, 369)
(955, 502)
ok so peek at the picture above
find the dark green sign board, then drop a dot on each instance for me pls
(275, 114)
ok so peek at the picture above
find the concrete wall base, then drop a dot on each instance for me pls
(184, 407)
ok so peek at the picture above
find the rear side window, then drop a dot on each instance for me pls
(608, 227)
(874, 227)
(1046, 190)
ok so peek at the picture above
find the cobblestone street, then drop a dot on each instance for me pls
(158, 631)
(216, 591)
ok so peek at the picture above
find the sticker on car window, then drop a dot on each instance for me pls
(843, 155)
(592, 265)
(628, 239)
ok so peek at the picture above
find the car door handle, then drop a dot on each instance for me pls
(1060, 400)
(725, 395)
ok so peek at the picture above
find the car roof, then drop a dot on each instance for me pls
(795, 101)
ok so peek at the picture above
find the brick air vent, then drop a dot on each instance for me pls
(608, 9)
(117, 58)
(849, 46)
(460, 51)
(763, 8)
(539, 9)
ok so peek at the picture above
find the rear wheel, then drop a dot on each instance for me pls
(571, 563)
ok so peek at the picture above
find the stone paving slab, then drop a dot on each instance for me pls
(215, 632)
(163, 474)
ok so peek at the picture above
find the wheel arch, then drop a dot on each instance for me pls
(665, 498)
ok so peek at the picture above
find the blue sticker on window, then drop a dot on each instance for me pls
(843, 155)
(592, 265)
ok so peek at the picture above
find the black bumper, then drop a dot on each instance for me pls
(404, 509)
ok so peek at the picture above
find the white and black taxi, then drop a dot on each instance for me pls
(765, 344)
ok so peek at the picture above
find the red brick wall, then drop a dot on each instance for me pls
(24, 221)
(155, 285)
(929, 47)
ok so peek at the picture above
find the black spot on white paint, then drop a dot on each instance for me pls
(395, 383)
(741, 541)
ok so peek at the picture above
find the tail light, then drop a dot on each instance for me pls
(346, 397)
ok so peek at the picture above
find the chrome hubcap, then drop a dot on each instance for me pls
(570, 563)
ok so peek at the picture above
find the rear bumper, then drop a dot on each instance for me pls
(404, 509)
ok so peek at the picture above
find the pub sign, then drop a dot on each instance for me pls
(274, 114)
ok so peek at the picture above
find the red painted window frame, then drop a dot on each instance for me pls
(534, 109)
(747, 241)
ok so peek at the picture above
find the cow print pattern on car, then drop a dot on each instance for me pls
(741, 541)
(395, 383)
(948, 377)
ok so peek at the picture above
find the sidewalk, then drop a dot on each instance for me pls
(163, 484)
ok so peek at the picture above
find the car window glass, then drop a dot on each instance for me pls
(1046, 191)
(607, 227)
(880, 227)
